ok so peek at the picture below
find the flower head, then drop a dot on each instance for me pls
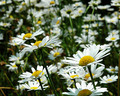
(84, 89)
(91, 54)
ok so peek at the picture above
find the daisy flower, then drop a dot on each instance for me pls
(79, 11)
(20, 8)
(39, 20)
(84, 38)
(92, 33)
(90, 55)
(108, 79)
(64, 70)
(113, 20)
(78, 4)
(55, 53)
(95, 24)
(67, 11)
(84, 89)
(45, 42)
(27, 76)
(15, 58)
(93, 3)
(47, 3)
(73, 73)
(114, 32)
(5, 24)
(20, 87)
(90, 17)
(115, 3)
(96, 72)
(56, 22)
(112, 37)
(4, 2)
(12, 66)
(40, 72)
(27, 36)
(56, 31)
(15, 41)
(33, 85)
(85, 26)
(112, 69)
(20, 39)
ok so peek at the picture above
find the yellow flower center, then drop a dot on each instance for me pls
(15, 43)
(21, 9)
(3, 10)
(11, 16)
(113, 33)
(112, 21)
(5, 24)
(96, 24)
(86, 30)
(113, 70)
(86, 26)
(73, 76)
(68, 11)
(3, 2)
(109, 79)
(22, 87)
(86, 60)
(88, 75)
(28, 35)
(56, 54)
(34, 88)
(36, 73)
(84, 92)
(80, 11)
(113, 38)
(52, 2)
(23, 3)
(119, 17)
(37, 43)
(58, 22)
(17, 62)
(102, 18)
(14, 66)
(39, 22)
(76, 4)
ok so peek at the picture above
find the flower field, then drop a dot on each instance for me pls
(59, 48)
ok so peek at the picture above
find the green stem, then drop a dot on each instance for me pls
(39, 78)
(119, 77)
(38, 59)
(26, 59)
(42, 88)
(86, 10)
(91, 77)
(72, 35)
(74, 83)
(11, 84)
(71, 23)
(36, 93)
(51, 84)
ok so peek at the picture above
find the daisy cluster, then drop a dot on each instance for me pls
(60, 47)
